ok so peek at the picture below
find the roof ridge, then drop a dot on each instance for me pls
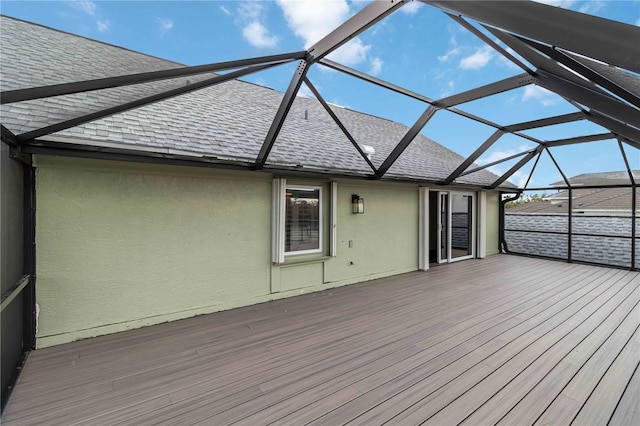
(91, 39)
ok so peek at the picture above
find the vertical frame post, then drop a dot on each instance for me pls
(29, 254)
(482, 225)
(423, 228)
(570, 225)
(333, 238)
(634, 188)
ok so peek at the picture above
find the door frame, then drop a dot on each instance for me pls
(474, 227)
(439, 258)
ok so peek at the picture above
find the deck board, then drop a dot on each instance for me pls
(504, 339)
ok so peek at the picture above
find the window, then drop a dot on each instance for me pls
(303, 220)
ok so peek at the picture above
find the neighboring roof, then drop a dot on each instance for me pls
(591, 200)
(228, 121)
(603, 178)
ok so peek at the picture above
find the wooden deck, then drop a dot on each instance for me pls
(505, 340)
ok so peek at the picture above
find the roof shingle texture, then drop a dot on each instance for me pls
(587, 199)
(227, 121)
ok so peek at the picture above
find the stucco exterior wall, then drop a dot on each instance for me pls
(116, 248)
(123, 245)
(384, 239)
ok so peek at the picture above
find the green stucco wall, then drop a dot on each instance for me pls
(123, 245)
(384, 239)
(118, 247)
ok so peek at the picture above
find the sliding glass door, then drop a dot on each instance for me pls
(456, 226)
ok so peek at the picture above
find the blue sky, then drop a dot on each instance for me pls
(417, 47)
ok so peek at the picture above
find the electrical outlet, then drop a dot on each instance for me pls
(350, 243)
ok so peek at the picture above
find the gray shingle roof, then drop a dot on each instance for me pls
(593, 200)
(228, 121)
(601, 178)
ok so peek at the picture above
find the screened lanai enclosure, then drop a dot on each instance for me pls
(592, 64)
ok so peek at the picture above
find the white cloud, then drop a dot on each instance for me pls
(311, 20)
(376, 66)
(252, 20)
(103, 25)
(450, 54)
(258, 36)
(165, 24)
(91, 9)
(411, 8)
(87, 7)
(351, 53)
(478, 60)
(638, 22)
(451, 87)
(225, 10)
(592, 6)
(537, 93)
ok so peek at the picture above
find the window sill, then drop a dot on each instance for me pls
(291, 262)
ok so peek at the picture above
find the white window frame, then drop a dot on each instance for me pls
(278, 218)
(320, 248)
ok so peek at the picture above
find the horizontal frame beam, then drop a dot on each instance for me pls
(577, 188)
(485, 91)
(544, 122)
(19, 95)
(45, 147)
(579, 139)
(140, 102)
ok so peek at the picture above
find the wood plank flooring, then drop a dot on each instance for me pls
(503, 340)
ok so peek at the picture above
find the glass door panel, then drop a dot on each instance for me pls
(455, 226)
(443, 227)
(462, 229)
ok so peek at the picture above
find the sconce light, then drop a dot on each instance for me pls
(357, 204)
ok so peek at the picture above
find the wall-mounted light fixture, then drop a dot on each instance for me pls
(357, 204)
